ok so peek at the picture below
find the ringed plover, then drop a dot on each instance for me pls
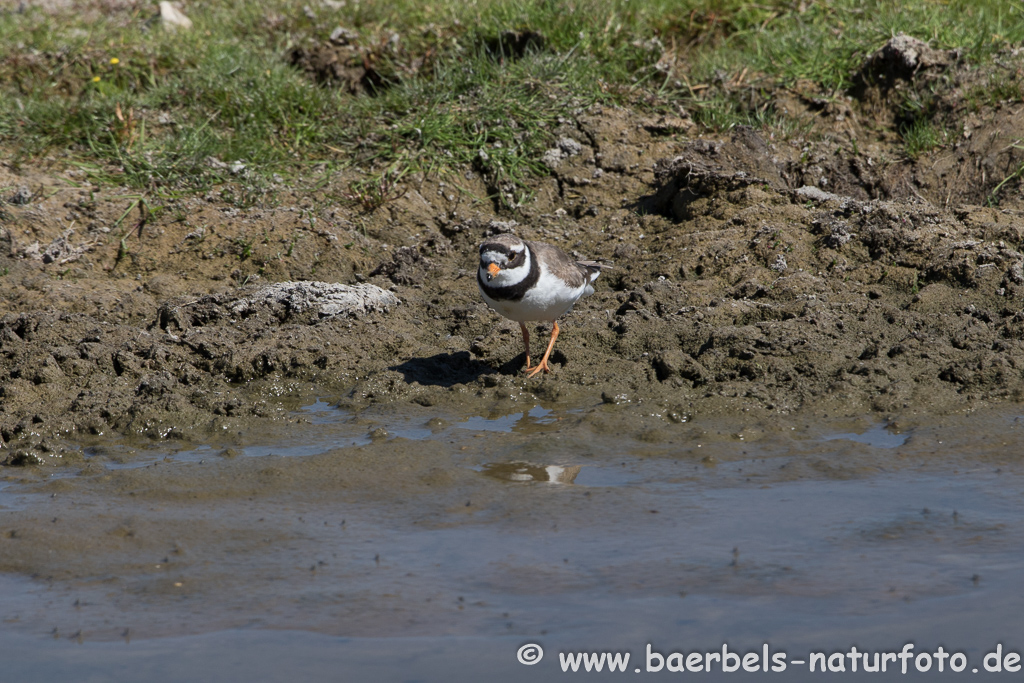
(532, 281)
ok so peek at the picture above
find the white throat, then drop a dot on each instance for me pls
(506, 277)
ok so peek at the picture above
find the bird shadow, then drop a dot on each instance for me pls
(449, 369)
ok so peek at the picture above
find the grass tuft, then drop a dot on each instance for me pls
(444, 84)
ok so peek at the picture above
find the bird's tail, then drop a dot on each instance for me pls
(593, 268)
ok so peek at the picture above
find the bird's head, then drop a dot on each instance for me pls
(501, 254)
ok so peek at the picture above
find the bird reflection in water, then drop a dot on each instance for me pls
(524, 471)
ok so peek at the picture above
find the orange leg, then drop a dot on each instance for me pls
(526, 345)
(543, 364)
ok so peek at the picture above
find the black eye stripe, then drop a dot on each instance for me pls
(503, 250)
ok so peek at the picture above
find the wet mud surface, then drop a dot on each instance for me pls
(751, 273)
(299, 414)
(381, 524)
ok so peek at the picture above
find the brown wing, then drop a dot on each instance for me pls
(559, 263)
(575, 273)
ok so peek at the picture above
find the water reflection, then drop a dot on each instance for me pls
(506, 423)
(878, 436)
(525, 471)
(321, 412)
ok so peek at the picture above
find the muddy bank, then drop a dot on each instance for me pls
(752, 273)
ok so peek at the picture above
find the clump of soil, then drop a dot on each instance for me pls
(360, 64)
(752, 273)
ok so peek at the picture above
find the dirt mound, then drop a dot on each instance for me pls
(902, 58)
(68, 374)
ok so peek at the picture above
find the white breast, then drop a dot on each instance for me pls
(548, 299)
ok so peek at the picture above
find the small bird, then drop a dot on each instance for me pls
(526, 281)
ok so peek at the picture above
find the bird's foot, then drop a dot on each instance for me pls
(543, 365)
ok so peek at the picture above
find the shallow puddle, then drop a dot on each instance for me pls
(878, 435)
(404, 544)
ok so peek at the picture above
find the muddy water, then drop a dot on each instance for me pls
(399, 543)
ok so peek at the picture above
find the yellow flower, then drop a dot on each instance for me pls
(95, 79)
(115, 60)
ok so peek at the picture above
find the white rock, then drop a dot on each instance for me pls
(172, 18)
(570, 147)
(552, 158)
(328, 298)
(343, 36)
(816, 195)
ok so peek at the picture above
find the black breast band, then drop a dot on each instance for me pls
(514, 292)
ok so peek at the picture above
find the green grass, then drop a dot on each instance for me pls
(452, 92)
(996, 89)
(921, 136)
(993, 197)
(917, 123)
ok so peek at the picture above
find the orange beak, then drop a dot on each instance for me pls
(493, 269)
